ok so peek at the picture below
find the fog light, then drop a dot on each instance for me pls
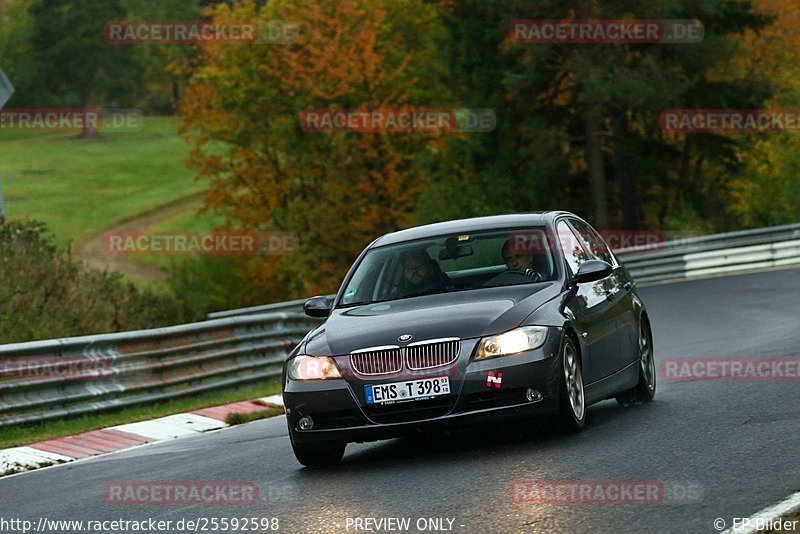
(532, 395)
(305, 423)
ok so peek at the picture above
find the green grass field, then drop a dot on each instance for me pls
(81, 187)
(187, 221)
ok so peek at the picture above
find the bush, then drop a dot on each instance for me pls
(217, 283)
(44, 294)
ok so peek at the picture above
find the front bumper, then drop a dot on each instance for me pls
(340, 415)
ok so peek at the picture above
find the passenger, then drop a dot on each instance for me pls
(421, 274)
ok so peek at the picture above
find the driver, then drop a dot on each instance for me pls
(517, 262)
(520, 268)
(421, 274)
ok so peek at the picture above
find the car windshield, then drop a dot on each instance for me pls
(459, 262)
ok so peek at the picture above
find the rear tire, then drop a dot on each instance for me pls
(321, 455)
(645, 388)
(572, 399)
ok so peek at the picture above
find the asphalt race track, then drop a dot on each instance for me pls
(735, 441)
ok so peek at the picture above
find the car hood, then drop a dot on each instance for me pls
(465, 314)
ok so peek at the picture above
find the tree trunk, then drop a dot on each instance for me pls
(628, 195)
(92, 119)
(597, 174)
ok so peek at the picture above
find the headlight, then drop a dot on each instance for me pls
(512, 342)
(313, 368)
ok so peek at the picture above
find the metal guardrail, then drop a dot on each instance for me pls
(288, 306)
(236, 347)
(713, 255)
(46, 380)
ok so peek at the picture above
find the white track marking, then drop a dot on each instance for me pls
(771, 513)
(277, 400)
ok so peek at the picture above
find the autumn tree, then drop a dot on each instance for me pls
(335, 190)
(767, 190)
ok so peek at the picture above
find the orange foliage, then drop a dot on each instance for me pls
(336, 190)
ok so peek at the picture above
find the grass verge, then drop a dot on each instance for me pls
(24, 435)
(241, 418)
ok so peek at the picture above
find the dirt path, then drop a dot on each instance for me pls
(93, 253)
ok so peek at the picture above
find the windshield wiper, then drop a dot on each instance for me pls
(360, 303)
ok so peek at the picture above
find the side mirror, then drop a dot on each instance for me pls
(591, 271)
(317, 307)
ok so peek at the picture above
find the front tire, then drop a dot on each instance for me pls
(321, 455)
(572, 399)
(645, 388)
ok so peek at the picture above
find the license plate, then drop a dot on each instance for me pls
(425, 388)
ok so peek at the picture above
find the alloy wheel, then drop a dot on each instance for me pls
(574, 382)
(646, 357)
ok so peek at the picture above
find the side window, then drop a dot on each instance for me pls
(597, 247)
(359, 287)
(571, 246)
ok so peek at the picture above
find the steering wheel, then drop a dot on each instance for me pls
(528, 273)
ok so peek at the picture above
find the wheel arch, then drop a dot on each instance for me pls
(644, 316)
(572, 334)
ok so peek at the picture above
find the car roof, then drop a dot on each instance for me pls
(469, 225)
